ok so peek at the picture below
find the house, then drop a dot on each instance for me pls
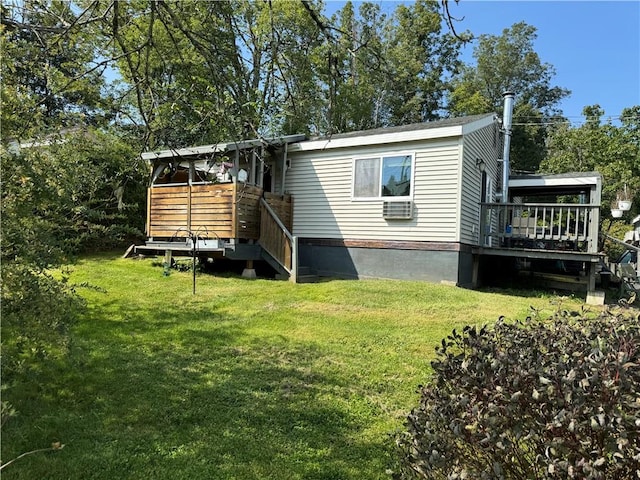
(422, 201)
(400, 202)
(419, 202)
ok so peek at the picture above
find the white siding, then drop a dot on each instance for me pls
(321, 184)
(485, 144)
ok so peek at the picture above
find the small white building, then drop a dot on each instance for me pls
(401, 202)
(421, 201)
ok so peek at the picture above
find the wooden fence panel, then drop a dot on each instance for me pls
(168, 210)
(215, 210)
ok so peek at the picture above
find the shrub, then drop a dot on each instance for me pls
(37, 312)
(80, 191)
(558, 398)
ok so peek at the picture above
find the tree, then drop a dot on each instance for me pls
(509, 63)
(612, 150)
(423, 57)
(378, 70)
(219, 70)
(50, 78)
(68, 181)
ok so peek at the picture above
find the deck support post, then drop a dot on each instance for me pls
(167, 263)
(249, 271)
(594, 297)
(475, 273)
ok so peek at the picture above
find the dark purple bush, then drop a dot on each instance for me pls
(556, 398)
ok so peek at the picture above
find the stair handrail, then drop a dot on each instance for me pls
(629, 246)
(274, 215)
(293, 271)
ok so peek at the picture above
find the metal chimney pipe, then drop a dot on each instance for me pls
(507, 118)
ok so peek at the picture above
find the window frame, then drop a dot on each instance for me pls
(380, 158)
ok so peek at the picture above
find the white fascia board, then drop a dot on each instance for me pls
(219, 147)
(184, 152)
(380, 139)
(554, 182)
(478, 124)
(392, 137)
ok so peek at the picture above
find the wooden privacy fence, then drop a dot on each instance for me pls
(275, 238)
(539, 225)
(220, 210)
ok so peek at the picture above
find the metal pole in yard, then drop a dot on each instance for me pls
(193, 265)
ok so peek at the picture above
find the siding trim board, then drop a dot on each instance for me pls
(387, 244)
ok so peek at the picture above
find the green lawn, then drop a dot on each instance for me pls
(247, 379)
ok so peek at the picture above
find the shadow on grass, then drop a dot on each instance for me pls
(188, 393)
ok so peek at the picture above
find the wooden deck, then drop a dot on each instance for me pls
(223, 211)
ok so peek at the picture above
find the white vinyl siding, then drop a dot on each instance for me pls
(484, 144)
(321, 184)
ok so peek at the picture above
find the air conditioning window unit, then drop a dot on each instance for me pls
(397, 210)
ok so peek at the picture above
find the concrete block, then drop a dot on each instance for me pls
(595, 297)
(249, 273)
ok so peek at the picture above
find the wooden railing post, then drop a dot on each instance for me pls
(594, 222)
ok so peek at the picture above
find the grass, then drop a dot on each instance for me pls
(247, 379)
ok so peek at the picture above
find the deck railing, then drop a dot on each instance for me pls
(224, 210)
(276, 239)
(550, 226)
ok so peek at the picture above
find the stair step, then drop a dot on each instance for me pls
(307, 279)
(304, 271)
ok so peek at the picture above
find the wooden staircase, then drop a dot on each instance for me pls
(627, 274)
(629, 280)
(280, 247)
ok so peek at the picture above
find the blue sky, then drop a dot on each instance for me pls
(594, 46)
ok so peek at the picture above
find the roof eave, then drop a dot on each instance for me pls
(568, 179)
(219, 147)
(426, 133)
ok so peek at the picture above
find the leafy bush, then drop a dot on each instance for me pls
(81, 191)
(37, 312)
(557, 398)
(84, 191)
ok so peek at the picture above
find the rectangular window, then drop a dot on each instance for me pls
(388, 176)
(367, 177)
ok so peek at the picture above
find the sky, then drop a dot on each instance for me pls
(594, 46)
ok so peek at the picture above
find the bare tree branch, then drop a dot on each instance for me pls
(450, 19)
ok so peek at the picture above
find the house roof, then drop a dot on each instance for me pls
(555, 179)
(448, 127)
(219, 147)
(558, 183)
(445, 122)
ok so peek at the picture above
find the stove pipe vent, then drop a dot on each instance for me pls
(507, 118)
